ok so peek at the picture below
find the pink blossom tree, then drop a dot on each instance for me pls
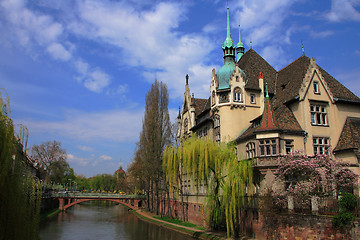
(305, 177)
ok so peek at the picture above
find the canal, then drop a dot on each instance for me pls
(105, 221)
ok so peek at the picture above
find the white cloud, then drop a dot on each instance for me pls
(57, 51)
(155, 45)
(86, 148)
(35, 29)
(116, 125)
(81, 161)
(96, 81)
(343, 10)
(105, 157)
(321, 34)
(262, 22)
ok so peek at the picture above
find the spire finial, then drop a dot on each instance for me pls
(240, 49)
(250, 44)
(228, 34)
(228, 46)
(302, 48)
(187, 79)
(267, 92)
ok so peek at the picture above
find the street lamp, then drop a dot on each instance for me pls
(70, 184)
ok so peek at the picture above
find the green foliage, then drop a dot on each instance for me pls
(52, 161)
(145, 171)
(342, 220)
(345, 218)
(103, 182)
(348, 202)
(216, 165)
(20, 194)
(179, 222)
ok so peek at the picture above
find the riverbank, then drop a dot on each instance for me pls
(49, 214)
(190, 231)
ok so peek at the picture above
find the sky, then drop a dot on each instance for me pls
(77, 71)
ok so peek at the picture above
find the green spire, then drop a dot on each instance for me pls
(267, 92)
(229, 43)
(239, 47)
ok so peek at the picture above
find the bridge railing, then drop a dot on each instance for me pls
(96, 195)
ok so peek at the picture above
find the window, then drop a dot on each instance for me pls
(316, 88)
(217, 121)
(250, 150)
(252, 98)
(185, 125)
(289, 146)
(267, 147)
(237, 78)
(321, 144)
(217, 137)
(213, 98)
(318, 115)
(237, 95)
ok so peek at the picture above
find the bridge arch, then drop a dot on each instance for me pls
(73, 201)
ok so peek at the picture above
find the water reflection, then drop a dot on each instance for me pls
(92, 220)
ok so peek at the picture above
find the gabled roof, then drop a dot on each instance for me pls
(350, 135)
(338, 90)
(252, 63)
(199, 105)
(291, 77)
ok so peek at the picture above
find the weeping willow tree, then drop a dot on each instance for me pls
(215, 164)
(20, 196)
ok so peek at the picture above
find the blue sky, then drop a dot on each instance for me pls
(78, 71)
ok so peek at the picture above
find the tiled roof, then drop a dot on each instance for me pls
(268, 121)
(252, 63)
(284, 121)
(337, 89)
(285, 118)
(350, 135)
(199, 104)
(291, 77)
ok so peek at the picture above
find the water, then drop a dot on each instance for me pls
(88, 221)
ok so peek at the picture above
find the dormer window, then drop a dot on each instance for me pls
(316, 88)
(252, 98)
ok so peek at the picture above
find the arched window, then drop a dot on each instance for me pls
(213, 98)
(217, 121)
(237, 95)
(185, 125)
(250, 150)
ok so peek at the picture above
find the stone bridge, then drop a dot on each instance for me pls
(67, 200)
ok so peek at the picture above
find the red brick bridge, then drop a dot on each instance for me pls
(67, 200)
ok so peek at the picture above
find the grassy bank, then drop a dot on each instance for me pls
(49, 214)
(200, 234)
(179, 222)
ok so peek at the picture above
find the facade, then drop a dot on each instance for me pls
(269, 113)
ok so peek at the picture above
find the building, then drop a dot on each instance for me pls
(268, 113)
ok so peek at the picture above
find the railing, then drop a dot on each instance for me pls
(96, 195)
